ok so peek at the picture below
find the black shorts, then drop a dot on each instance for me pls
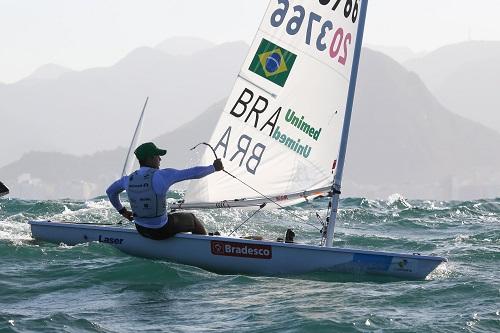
(177, 222)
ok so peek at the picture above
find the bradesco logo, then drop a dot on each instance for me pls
(220, 248)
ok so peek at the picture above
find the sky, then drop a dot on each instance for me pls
(81, 34)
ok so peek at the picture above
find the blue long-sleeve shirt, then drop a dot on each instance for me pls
(162, 180)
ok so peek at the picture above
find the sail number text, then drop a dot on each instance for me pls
(339, 44)
(351, 8)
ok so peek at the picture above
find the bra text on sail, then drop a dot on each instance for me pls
(253, 108)
(243, 144)
(259, 106)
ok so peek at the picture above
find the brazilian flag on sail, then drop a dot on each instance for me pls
(272, 62)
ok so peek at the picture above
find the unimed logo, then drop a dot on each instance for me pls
(233, 249)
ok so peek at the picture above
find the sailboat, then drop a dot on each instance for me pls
(283, 137)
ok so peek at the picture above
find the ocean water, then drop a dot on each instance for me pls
(96, 288)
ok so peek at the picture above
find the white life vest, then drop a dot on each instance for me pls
(144, 201)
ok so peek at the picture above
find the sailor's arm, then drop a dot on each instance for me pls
(113, 193)
(172, 176)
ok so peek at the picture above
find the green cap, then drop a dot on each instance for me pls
(147, 150)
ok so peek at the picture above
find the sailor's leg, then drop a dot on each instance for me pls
(199, 228)
(186, 222)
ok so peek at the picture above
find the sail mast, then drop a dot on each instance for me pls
(129, 161)
(345, 129)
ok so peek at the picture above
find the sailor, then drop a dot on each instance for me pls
(147, 190)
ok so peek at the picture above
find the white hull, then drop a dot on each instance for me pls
(240, 256)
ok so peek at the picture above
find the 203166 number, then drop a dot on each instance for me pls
(295, 23)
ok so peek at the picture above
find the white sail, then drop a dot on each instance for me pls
(281, 127)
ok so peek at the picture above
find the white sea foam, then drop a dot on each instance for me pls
(90, 212)
(99, 204)
(443, 271)
(398, 198)
(66, 211)
(461, 238)
(16, 232)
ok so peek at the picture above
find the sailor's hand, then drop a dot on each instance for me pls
(218, 165)
(126, 214)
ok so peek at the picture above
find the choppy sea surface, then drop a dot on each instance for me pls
(96, 288)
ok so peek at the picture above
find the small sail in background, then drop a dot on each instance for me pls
(128, 166)
(280, 130)
(3, 190)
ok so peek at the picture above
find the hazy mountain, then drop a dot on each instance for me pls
(57, 175)
(182, 46)
(96, 109)
(402, 141)
(472, 91)
(465, 78)
(181, 140)
(47, 72)
(399, 53)
(435, 66)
